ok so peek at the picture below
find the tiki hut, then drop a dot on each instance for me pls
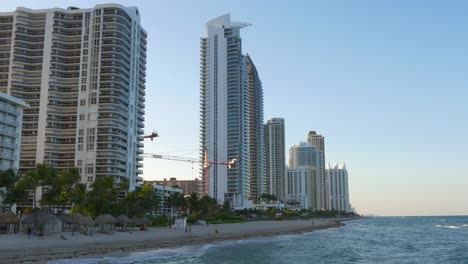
(142, 222)
(136, 220)
(146, 221)
(8, 222)
(66, 222)
(106, 222)
(86, 221)
(85, 224)
(41, 221)
(123, 221)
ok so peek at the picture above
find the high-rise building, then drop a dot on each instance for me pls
(337, 177)
(256, 131)
(300, 185)
(231, 115)
(275, 153)
(305, 155)
(82, 71)
(319, 142)
(11, 118)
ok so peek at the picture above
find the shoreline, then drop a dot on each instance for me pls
(121, 244)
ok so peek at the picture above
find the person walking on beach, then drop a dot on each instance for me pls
(190, 228)
(29, 232)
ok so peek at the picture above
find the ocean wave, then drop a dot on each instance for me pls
(137, 257)
(184, 251)
(452, 226)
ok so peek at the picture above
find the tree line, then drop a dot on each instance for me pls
(62, 190)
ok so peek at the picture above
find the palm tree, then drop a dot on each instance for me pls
(192, 202)
(175, 201)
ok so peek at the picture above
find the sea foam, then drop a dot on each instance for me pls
(184, 251)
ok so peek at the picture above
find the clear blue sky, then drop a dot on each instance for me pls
(384, 81)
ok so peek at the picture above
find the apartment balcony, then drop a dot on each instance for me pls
(7, 155)
(10, 145)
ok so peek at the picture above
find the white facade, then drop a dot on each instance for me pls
(163, 193)
(231, 116)
(275, 154)
(319, 142)
(337, 177)
(11, 118)
(299, 183)
(82, 71)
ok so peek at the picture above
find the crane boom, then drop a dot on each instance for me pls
(168, 157)
(206, 163)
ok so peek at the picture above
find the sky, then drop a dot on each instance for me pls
(383, 81)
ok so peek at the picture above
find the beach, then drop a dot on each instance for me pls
(17, 248)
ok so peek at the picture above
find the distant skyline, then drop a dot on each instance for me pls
(384, 82)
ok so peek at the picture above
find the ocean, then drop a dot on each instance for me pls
(372, 240)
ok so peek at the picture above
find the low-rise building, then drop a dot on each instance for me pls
(188, 186)
(163, 193)
(11, 117)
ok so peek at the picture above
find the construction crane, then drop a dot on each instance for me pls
(152, 135)
(205, 162)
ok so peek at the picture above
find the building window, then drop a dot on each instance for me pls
(83, 102)
(80, 132)
(92, 98)
(79, 163)
(81, 117)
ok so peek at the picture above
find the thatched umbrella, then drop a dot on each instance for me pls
(145, 221)
(8, 218)
(65, 219)
(136, 220)
(75, 218)
(123, 219)
(105, 219)
(39, 218)
(86, 220)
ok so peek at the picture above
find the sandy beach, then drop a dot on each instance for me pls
(17, 248)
